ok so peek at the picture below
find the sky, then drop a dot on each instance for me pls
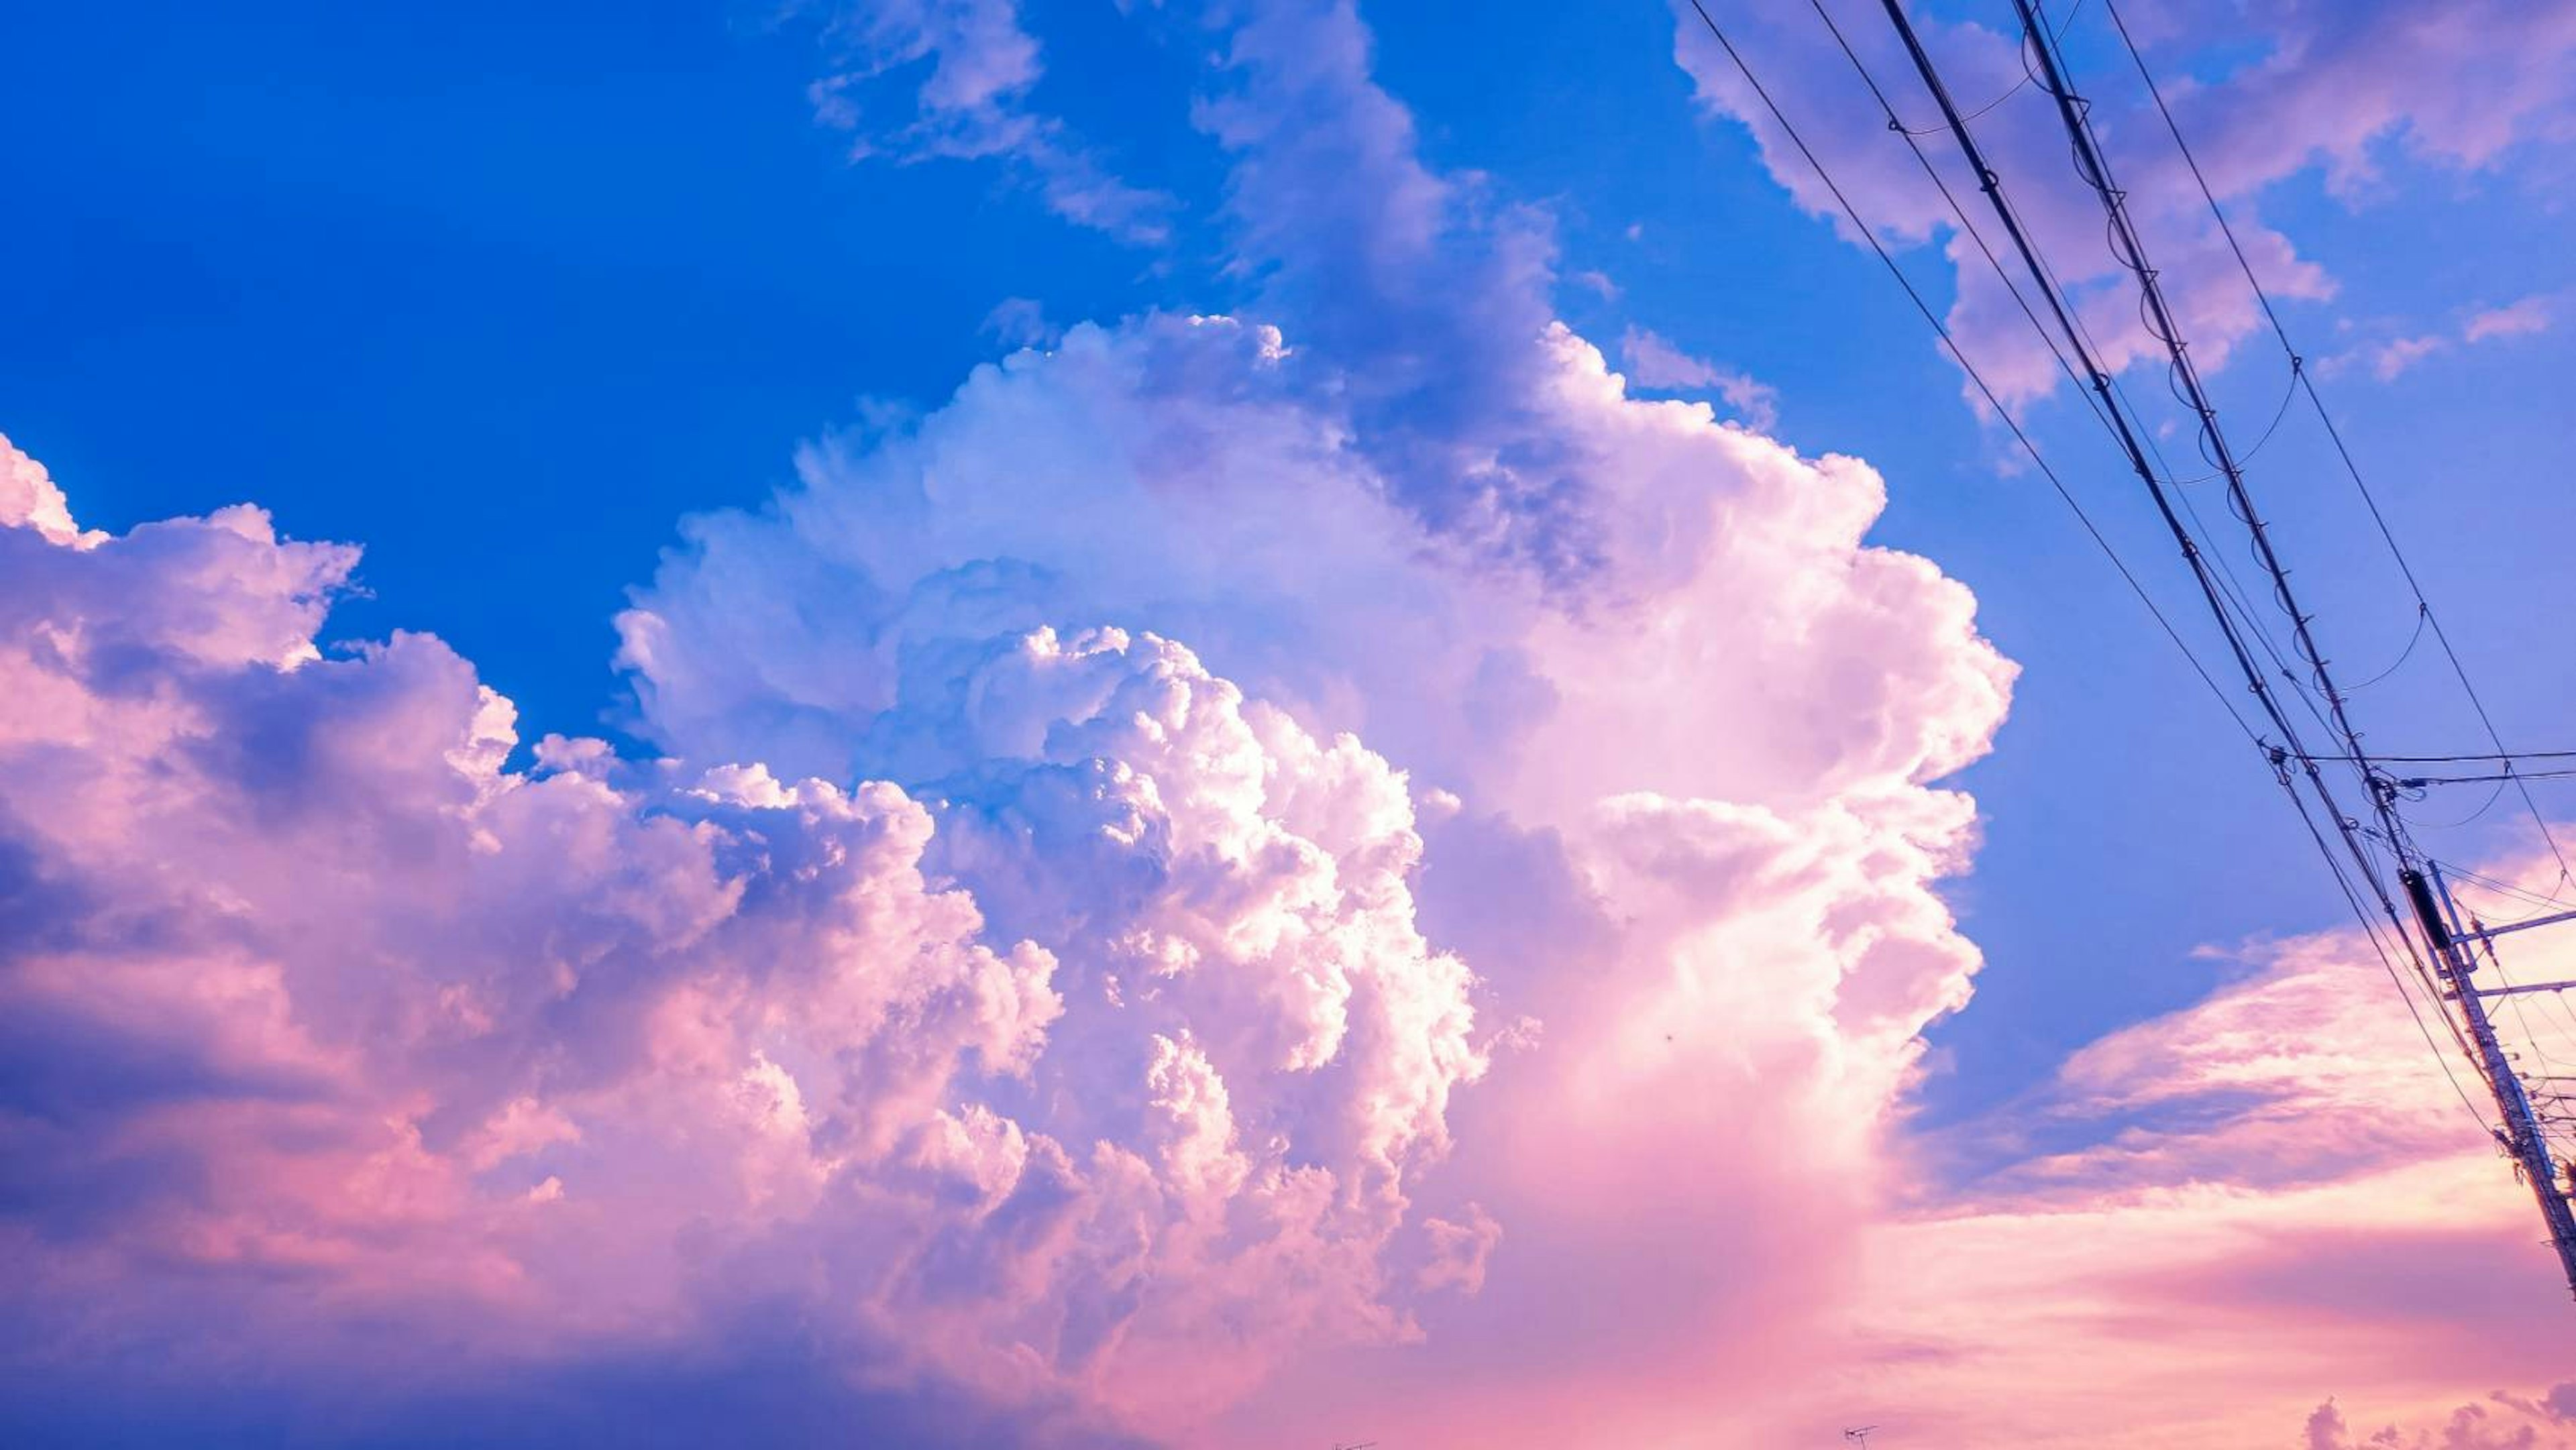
(991, 723)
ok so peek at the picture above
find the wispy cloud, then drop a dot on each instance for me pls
(1652, 361)
(2531, 315)
(977, 65)
(2392, 359)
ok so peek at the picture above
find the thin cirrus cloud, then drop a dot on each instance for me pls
(1246, 872)
(976, 66)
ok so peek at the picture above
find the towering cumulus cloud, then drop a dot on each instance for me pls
(1668, 723)
(320, 1016)
(1235, 839)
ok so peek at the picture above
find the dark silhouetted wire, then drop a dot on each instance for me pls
(2374, 758)
(2416, 780)
(1870, 235)
(2352, 469)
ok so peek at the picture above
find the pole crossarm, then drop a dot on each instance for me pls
(2507, 991)
(2487, 933)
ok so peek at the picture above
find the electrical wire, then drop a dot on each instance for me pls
(2225, 603)
(2027, 80)
(2050, 292)
(2528, 1142)
(2422, 780)
(2079, 335)
(2541, 899)
(1914, 295)
(2351, 468)
(2289, 395)
(2375, 758)
(2082, 338)
(2151, 475)
(2403, 655)
(2387, 963)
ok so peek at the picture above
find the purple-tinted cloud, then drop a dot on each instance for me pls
(1652, 361)
(2327, 85)
(335, 1020)
(1236, 847)
(2524, 318)
(976, 65)
(1666, 715)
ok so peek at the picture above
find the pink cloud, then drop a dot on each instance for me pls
(1122, 1059)
(2280, 1199)
(2518, 319)
(1654, 362)
(362, 1023)
(1402, 500)
(2391, 359)
(1241, 875)
(2328, 85)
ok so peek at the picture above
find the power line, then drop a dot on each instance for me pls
(2420, 780)
(2527, 1140)
(2078, 333)
(2130, 251)
(2334, 434)
(2545, 900)
(2113, 409)
(2525, 1133)
(1870, 235)
(2107, 411)
(2375, 758)
(2387, 963)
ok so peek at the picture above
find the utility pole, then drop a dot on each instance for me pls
(2521, 1136)
(2432, 930)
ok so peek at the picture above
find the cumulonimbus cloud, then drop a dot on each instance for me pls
(322, 1012)
(1235, 838)
(1106, 833)
(1672, 726)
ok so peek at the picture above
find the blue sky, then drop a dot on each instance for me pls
(503, 291)
(565, 310)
